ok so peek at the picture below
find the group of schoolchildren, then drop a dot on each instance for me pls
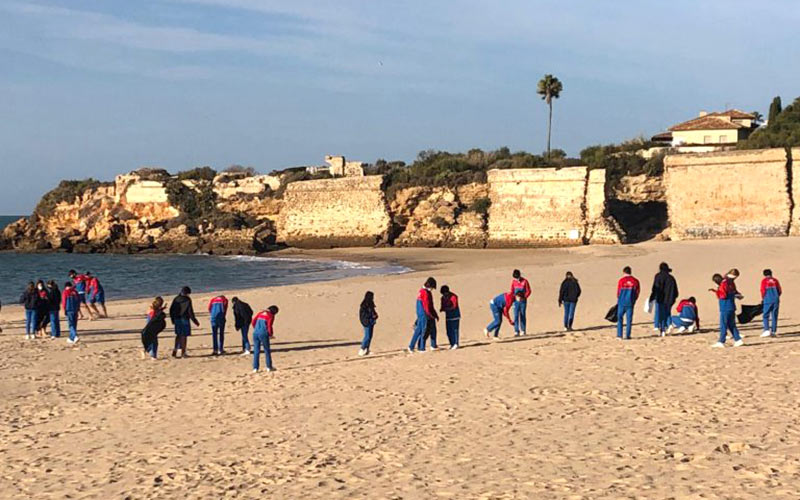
(83, 295)
(182, 316)
(664, 294)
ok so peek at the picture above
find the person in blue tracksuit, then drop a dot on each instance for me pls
(218, 310)
(500, 306)
(727, 294)
(367, 316)
(688, 317)
(181, 313)
(452, 314)
(627, 293)
(426, 314)
(263, 331)
(54, 303)
(771, 292)
(568, 296)
(71, 303)
(520, 284)
(242, 316)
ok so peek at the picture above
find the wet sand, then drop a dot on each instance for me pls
(549, 415)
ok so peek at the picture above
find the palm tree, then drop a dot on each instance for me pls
(549, 88)
(757, 117)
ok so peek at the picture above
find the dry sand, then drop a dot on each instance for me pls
(551, 415)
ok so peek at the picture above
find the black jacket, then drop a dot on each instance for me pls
(155, 326)
(54, 298)
(242, 314)
(181, 308)
(665, 288)
(30, 300)
(366, 314)
(570, 291)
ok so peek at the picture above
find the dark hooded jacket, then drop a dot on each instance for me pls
(154, 326)
(570, 291)
(181, 308)
(665, 288)
(242, 314)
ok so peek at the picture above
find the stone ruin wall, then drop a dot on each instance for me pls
(548, 207)
(730, 194)
(350, 211)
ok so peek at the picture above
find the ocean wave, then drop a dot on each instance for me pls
(336, 264)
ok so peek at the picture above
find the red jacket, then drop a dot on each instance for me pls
(426, 298)
(521, 284)
(262, 320)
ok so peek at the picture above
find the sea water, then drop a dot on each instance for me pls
(135, 276)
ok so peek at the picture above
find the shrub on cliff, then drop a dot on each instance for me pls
(66, 191)
(197, 203)
(197, 174)
(480, 206)
(239, 169)
(783, 131)
(625, 159)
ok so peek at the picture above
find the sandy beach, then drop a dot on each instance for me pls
(549, 415)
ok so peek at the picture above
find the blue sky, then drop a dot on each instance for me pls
(101, 87)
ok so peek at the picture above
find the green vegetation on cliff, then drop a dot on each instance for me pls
(782, 130)
(625, 159)
(441, 168)
(66, 191)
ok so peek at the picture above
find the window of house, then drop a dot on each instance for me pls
(707, 139)
(723, 139)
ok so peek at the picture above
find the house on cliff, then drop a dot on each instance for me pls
(709, 132)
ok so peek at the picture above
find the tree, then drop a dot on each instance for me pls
(774, 109)
(757, 117)
(549, 88)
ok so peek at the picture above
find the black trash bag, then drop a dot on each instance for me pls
(611, 315)
(750, 312)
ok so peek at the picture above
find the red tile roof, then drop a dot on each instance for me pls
(736, 114)
(708, 122)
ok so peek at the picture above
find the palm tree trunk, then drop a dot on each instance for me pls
(549, 125)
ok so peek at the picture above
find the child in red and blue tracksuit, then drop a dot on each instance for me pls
(262, 333)
(500, 306)
(727, 294)
(217, 310)
(426, 318)
(71, 303)
(95, 294)
(687, 317)
(452, 314)
(627, 293)
(79, 282)
(771, 292)
(520, 284)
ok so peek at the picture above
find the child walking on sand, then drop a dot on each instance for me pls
(262, 332)
(368, 315)
(452, 315)
(71, 303)
(181, 313)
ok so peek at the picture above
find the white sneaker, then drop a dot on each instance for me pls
(656, 329)
(486, 333)
(70, 341)
(738, 343)
(681, 329)
(366, 352)
(410, 351)
(766, 333)
(718, 345)
(663, 334)
(255, 371)
(245, 353)
(269, 369)
(361, 352)
(454, 347)
(691, 328)
(524, 333)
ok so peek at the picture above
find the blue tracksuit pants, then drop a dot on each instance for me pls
(727, 322)
(663, 314)
(261, 341)
(452, 326)
(430, 332)
(367, 340)
(55, 324)
(218, 335)
(520, 316)
(72, 321)
(569, 313)
(771, 316)
(245, 338)
(678, 322)
(494, 326)
(419, 332)
(624, 315)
